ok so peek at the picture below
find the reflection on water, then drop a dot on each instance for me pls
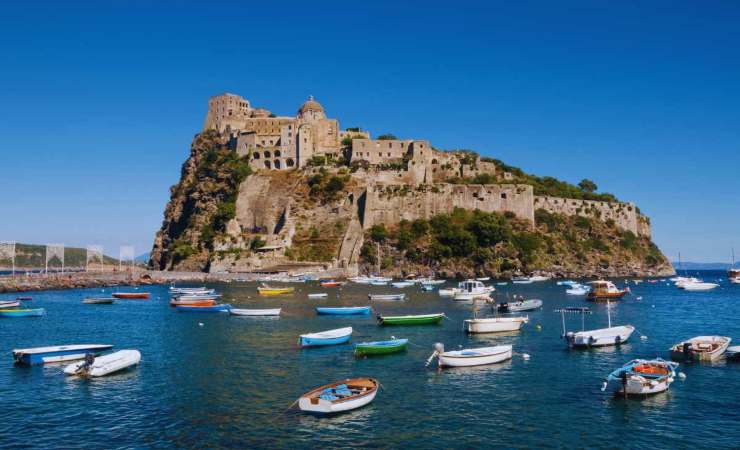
(228, 382)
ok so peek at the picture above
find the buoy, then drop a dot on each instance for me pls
(643, 338)
(526, 356)
(538, 327)
(200, 324)
(681, 375)
(639, 297)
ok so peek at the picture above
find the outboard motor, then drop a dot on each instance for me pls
(438, 348)
(687, 350)
(569, 337)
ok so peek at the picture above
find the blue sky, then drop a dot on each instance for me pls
(100, 100)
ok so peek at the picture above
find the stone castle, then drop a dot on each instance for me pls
(383, 169)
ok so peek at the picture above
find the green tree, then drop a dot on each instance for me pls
(378, 233)
(387, 137)
(489, 229)
(587, 185)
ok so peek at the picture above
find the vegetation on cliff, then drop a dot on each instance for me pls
(469, 242)
(34, 256)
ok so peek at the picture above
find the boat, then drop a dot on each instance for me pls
(450, 292)
(104, 365)
(378, 282)
(595, 338)
(99, 300)
(578, 290)
(495, 324)
(196, 290)
(343, 310)
(519, 305)
(733, 352)
(502, 283)
(24, 298)
(701, 348)
(521, 280)
(338, 397)
(427, 287)
(402, 284)
(698, 286)
(9, 304)
(181, 302)
(330, 283)
(269, 290)
(381, 347)
(472, 289)
(733, 273)
(360, 280)
(605, 290)
(36, 312)
(211, 296)
(421, 319)
(430, 281)
(386, 296)
(470, 356)
(537, 278)
(483, 278)
(131, 295)
(225, 307)
(567, 283)
(643, 377)
(330, 337)
(318, 295)
(254, 312)
(57, 353)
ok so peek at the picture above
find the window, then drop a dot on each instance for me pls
(277, 163)
(256, 155)
(289, 162)
(277, 153)
(503, 195)
(267, 154)
(389, 154)
(380, 154)
(267, 164)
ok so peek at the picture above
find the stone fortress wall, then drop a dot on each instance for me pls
(624, 215)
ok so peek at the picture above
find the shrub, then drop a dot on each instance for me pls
(378, 233)
(387, 137)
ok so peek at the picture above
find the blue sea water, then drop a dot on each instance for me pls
(229, 382)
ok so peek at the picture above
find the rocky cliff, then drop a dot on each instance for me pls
(223, 217)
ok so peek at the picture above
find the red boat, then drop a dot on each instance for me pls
(605, 290)
(204, 302)
(331, 283)
(131, 295)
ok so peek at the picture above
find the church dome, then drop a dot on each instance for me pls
(311, 105)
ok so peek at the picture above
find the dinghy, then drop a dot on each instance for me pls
(181, 302)
(211, 296)
(643, 377)
(99, 300)
(340, 396)
(9, 304)
(471, 356)
(268, 290)
(343, 310)
(381, 347)
(733, 352)
(254, 312)
(331, 283)
(131, 295)
(37, 312)
(402, 284)
(520, 305)
(387, 296)
(319, 295)
(24, 298)
(330, 337)
(422, 319)
(701, 348)
(495, 324)
(59, 353)
(104, 365)
(204, 309)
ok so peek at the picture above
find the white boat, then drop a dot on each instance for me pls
(483, 279)
(521, 280)
(536, 278)
(450, 292)
(733, 352)
(104, 365)
(402, 284)
(698, 286)
(596, 338)
(495, 324)
(568, 283)
(578, 290)
(520, 305)
(473, 289)
(360, 280)
(57, 353)
(378, 283)
(319, 295)
(432, 281)
(387, 296)
(643, 377)
(254, 312)
(203, 296)
(683, 281)
(329, 337)
(196, 290)
(341, 396)
(701, 348)
(470, 356)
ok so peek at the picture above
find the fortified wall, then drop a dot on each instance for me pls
(624, 215)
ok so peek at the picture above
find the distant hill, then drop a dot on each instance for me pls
(702, 266)
(143, 258)
(33, 256)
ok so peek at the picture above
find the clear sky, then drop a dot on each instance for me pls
(99, 101)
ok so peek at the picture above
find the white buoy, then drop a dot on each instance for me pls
(639, 297)
(200, 324)
(682, 376)
(643, 338)
(526, 356)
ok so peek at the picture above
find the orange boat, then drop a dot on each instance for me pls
(605, 290)
(331, 283)
(132, 295)
(205, 302)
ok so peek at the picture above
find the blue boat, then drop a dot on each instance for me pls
(343, 310)
(204, 309)
(330, 337)
(36, 312)
(54, 354)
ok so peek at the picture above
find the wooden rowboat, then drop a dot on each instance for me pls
(37, 312)
(422, 319)
(181, 302)
(341, 396)
(254, 312)
(381, 347)
(330, 337)
(343, 310)
(131, 295)
(268, 290)
(472, 356)
(701, 348)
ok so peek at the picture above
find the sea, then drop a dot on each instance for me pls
(220, 381)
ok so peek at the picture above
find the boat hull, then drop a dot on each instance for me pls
(600, 338)
(310, 402)
(381, 347)
(475, 357)
(320, 342)
(108, 364)
(339, 311)
(711, 354)
(254, 312)
(203, 309)
(55, 354)
(131, 295)
(431, 319)
(495, 325)
(12, 313)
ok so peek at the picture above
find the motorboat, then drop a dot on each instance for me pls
(595, 338)
(642, 377)
(495, 324)
(56, 353)
(318, 295)
(522, 280)
(698, 286)
(519, 305)
(605, 290)
(104, 365)
(538, 278)
(9, 304)
(340, 396)
(386, 296)
(701, 348)
(402, 284)
(473, 289)
(578, 290)
(470, 356)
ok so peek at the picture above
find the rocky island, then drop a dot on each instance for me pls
(262, 192)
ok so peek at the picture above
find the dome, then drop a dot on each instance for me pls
(311, 105)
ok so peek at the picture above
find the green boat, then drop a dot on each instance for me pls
(423, 319)
(381, 347)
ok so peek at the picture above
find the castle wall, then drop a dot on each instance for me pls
(393, 203)
(625, 215)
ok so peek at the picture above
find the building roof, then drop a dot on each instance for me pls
(311, 105)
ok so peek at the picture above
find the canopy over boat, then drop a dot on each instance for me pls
(341, 396)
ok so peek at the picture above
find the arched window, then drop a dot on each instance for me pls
(277, 153)
(267, 154)
(267, 164)
(277, 163)
(256, 155)
(434, 161)
(289, 162)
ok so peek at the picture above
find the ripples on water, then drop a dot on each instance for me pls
(229, 383)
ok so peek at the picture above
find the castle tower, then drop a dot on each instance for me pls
(226, 110)
(311, 111)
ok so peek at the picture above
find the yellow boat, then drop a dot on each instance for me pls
(267, 290)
